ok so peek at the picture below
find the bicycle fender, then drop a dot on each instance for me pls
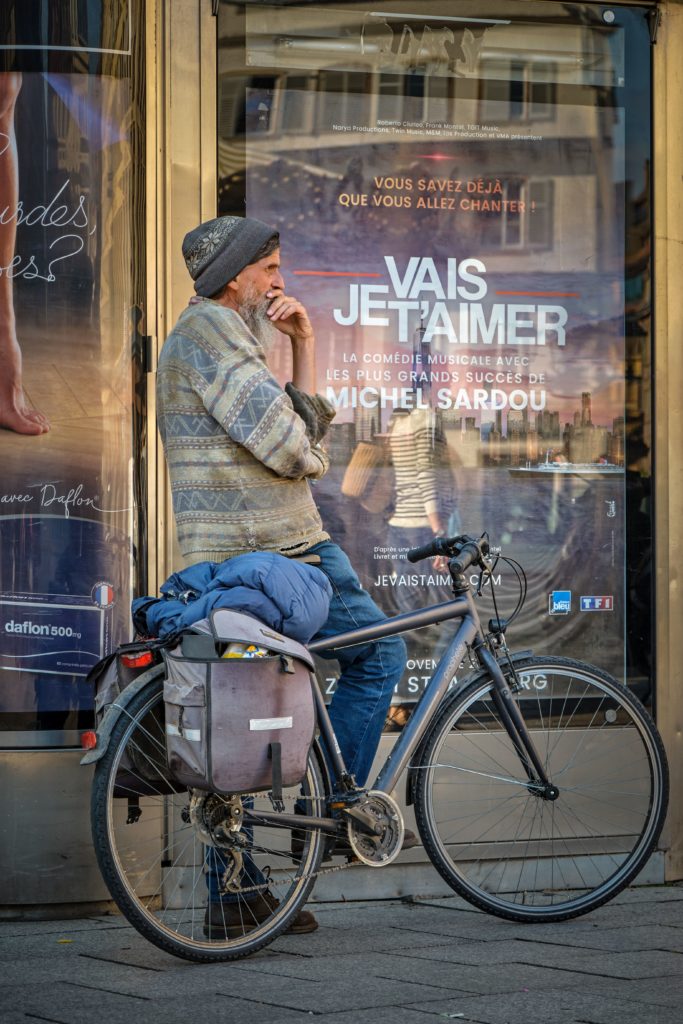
(411, 774)
(115, 710)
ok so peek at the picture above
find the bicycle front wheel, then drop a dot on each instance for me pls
(496, 839)
(197, 873)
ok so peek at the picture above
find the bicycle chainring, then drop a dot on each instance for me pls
(378, 850)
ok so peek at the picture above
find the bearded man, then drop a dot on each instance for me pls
(241, 451)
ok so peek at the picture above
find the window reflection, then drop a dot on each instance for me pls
(521, 142)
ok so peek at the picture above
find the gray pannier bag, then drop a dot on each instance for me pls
(113, 673)
(238, 725)
(139, 769)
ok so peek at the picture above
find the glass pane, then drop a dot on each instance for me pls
(470, 233)
(389, 98)
(541, 200)
(71, 351)
(49, 26)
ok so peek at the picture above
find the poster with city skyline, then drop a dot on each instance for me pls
(466, 286)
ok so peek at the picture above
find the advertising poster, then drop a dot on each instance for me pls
(66, 488)
(462, 260)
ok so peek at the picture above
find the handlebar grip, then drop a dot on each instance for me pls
(469, 553)
(431, 550)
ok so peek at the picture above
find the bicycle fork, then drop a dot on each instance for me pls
(514, 723)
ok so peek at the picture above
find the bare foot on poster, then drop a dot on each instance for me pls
(15, 413)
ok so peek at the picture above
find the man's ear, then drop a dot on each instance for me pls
(228, 294)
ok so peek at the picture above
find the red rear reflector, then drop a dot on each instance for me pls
(88, 740)
(137, 660)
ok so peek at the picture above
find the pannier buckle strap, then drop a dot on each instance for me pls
(275, 751)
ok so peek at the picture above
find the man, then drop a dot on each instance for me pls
(240, 459)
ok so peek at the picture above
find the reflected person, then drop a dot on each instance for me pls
(424, 506)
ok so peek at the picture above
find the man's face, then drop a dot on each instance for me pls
(256, 280)
(252, 292)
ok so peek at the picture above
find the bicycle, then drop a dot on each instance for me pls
(540, 788)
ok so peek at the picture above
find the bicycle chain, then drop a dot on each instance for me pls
(272, 883)
(351, 863)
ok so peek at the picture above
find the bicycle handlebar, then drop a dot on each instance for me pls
(438, 546)
(462, 551)
(468, 555)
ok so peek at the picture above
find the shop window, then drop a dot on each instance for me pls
(527, 220)
(540, 214)
(231, 106)
(407, 147)
(513, 219)
(389, 97)
(296, 105)
(518, 91)
(437, 107)
(337, 95)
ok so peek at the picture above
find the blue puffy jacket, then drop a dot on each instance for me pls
(290, 597)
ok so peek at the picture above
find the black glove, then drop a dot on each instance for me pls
(316, 412)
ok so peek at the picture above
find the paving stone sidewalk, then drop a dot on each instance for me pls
(382, 962)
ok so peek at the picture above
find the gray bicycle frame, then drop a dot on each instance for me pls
(461, 607)
(469, 634)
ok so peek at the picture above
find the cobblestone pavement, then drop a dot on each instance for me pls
(379, 962)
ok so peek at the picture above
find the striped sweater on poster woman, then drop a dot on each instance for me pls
(419, 456)
(238, 456)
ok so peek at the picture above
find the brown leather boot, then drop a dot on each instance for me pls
(231, 919)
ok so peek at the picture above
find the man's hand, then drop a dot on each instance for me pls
(289, 316)
(316, 412)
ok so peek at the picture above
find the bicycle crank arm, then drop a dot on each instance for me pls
(364, 822)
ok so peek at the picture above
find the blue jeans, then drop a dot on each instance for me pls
(369, 674)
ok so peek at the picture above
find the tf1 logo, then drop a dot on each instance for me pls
(597, 604)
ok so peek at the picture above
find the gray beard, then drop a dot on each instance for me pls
(256, 319)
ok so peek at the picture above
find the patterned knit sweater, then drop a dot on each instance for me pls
(238, 456)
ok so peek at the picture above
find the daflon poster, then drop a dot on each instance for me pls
(67, 337)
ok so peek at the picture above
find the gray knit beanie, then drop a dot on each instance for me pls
(217, 250)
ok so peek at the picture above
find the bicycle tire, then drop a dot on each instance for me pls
(158, 866)
(513, 853)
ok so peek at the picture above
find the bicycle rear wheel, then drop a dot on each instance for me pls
(503, 846)
(166, 852)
